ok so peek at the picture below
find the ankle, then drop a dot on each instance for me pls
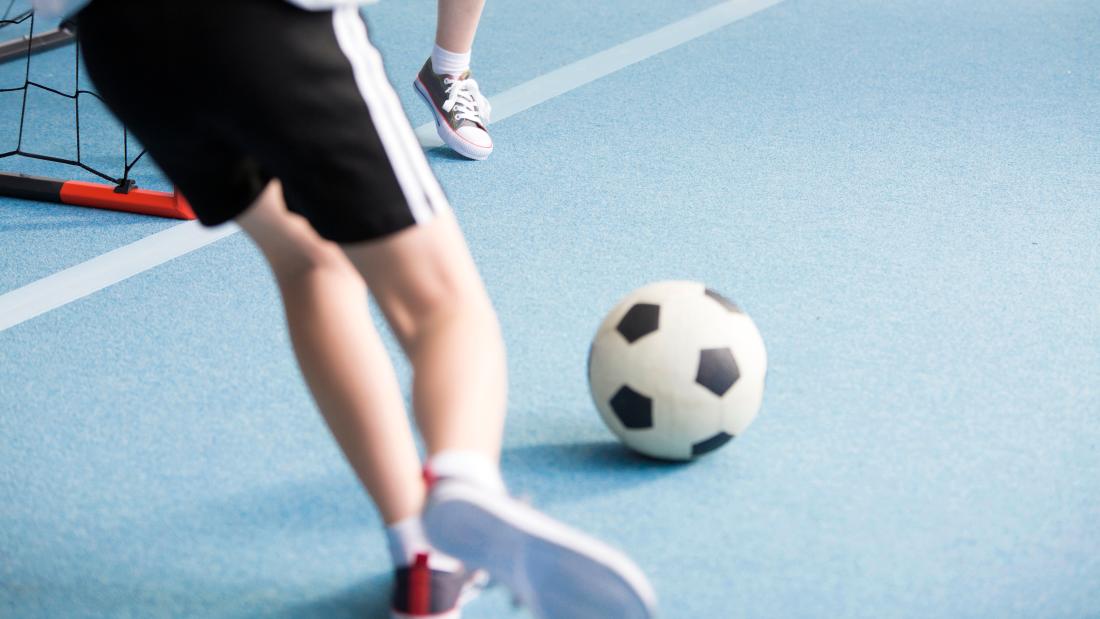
(446, 62)
(408, 544)
(470, 466)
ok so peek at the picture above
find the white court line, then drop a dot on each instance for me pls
(577, 74)
(79, 281)
(88, 277)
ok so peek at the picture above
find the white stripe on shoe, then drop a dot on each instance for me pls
(559, 572)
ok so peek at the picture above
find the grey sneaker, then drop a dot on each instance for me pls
(461, 112)
(559, 573)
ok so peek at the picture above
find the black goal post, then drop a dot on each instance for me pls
(119, 192)
(18, 47)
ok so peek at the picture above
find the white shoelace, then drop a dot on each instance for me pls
(465, 97)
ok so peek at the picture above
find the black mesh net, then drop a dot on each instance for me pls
(43, 132)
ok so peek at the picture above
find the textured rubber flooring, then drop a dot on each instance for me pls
(903, 195)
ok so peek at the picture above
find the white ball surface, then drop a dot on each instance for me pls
(676, 370)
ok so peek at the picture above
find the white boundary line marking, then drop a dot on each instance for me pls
(602, 64)
(81, 280)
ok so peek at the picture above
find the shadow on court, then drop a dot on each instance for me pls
(566, 472)
(325, 504)
(365, 599)
(369, 599)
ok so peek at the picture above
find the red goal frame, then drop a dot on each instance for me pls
(123, 194)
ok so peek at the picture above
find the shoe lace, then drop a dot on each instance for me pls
(464, 96)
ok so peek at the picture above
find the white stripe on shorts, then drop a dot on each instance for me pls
(422, 191)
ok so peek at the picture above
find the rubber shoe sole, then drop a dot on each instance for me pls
(558, 572)
(468, 595)
(449, 136)
(455, 613)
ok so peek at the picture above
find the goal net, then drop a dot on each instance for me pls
(58, 141)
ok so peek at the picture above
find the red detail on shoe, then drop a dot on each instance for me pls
(420, 586)
(429, 477)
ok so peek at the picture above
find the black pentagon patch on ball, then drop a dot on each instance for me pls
(710, 444)
(633, 409)
(639, 321)
(717, 370)
(724, 302)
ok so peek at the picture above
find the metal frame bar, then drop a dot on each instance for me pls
(17, 48)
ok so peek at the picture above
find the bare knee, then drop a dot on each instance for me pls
(423, 277)
(434, 301)
(308, 258)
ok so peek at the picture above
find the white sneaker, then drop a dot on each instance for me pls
(558, 572)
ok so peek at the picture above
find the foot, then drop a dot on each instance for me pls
(419, 592)
(558, 572)
(461, 112)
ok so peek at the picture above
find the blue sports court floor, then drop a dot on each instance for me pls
(904, 195)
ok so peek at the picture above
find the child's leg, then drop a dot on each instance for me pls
(430, 291)
(427, 286)
(353, 383)
(340, 354)
(454, 97)
(456, 24)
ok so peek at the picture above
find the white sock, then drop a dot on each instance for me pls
(471, 466)
(406, 540)
(449, 63)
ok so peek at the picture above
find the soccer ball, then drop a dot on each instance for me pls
(676, 370)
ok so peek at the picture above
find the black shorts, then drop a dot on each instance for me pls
(228, 95)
